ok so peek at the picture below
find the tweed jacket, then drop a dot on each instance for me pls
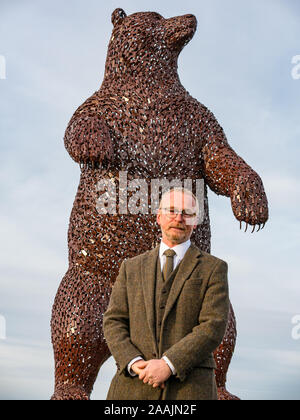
(193, 325)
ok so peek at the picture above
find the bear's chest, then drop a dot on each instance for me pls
(156, 141)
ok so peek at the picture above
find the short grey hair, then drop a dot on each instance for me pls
(183, 191)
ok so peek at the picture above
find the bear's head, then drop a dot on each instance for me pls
(146, 39)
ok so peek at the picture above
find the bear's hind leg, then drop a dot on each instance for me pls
(223, 355)
(77, 337)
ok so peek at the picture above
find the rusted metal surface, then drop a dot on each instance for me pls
(144, 122)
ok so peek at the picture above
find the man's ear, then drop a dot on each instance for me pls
(158, 218)
(117, 16)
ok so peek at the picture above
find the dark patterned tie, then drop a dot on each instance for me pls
(168, 267)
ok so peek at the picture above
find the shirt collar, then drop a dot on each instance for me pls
(179, 249)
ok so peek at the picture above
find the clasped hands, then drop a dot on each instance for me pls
(152, 372)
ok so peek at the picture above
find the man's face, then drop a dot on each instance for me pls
(176, 228)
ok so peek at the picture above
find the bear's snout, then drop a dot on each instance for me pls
(190, 16)
(180, 30)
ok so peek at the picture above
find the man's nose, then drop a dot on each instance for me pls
(179, 215)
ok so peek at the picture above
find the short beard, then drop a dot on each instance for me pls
(175, 238)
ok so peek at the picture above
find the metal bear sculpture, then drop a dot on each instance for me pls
(141, 121)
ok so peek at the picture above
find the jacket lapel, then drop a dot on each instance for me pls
(148, 273)
(186, 267)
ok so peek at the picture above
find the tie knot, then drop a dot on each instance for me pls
(169, 253)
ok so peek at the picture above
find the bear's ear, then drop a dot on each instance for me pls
(117, 16)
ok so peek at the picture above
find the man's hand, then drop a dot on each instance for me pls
(155, 373)
(138, 366)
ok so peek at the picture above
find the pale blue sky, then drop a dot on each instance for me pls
(239, 65)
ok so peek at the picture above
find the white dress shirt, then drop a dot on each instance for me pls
(180, 253)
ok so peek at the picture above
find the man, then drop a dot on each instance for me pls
(168, 312)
